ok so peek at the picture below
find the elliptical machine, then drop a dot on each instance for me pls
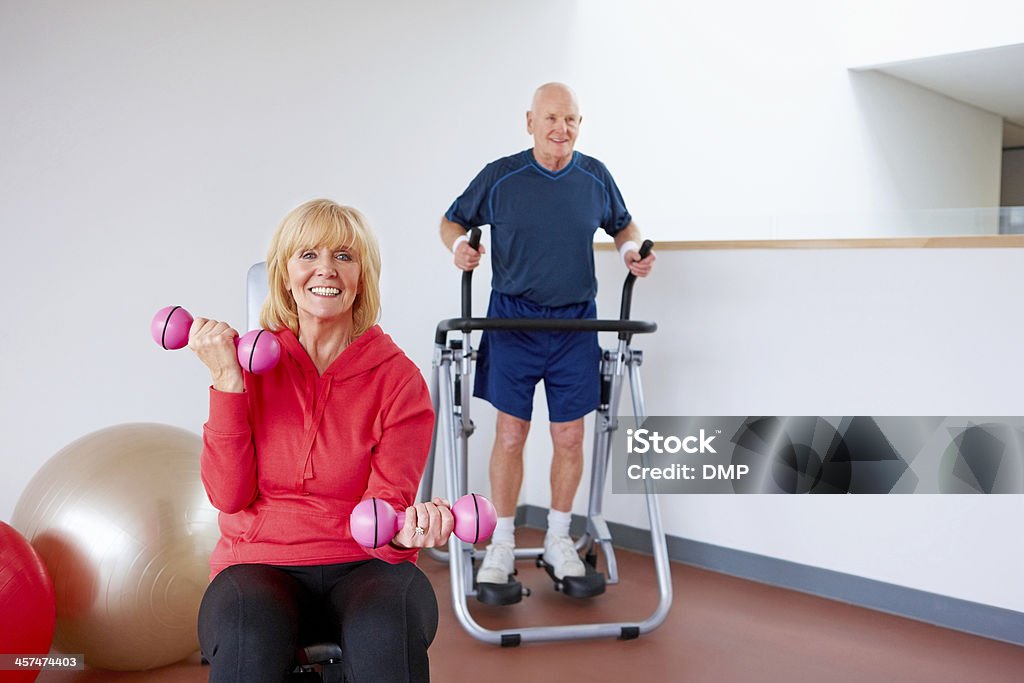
(450, 389)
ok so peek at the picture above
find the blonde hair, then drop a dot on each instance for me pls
(322, 223)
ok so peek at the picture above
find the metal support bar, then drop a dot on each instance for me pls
(454, 442)
(620, 363)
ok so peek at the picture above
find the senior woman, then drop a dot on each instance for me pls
(344, 415)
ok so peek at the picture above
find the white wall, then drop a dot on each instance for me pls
(844, 332)
(882, 31)
(149, 150)
(741, 120)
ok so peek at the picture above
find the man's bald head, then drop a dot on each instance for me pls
(557, 90)
(553, 121)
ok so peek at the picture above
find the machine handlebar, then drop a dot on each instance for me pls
(624, 326)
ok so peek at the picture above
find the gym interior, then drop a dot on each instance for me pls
(834, 193)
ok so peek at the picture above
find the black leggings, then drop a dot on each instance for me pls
(254, 616)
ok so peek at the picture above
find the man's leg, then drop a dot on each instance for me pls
(572, 383)
(506, 471)
(507, 463)
(566, 472)
(566, 463)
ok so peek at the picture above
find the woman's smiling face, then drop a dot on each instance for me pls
(324, 282)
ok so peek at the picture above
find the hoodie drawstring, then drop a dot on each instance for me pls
(313, 426)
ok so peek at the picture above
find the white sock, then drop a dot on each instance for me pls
(505, 532)
(558, 522)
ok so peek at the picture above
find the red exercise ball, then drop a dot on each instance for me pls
(28, 610)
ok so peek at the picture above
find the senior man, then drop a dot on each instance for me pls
(544, 205)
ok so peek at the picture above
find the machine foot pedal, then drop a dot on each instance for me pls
(501, 593)
(589, 585)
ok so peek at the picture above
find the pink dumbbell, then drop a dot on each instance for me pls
(258, 351)
(374, 523)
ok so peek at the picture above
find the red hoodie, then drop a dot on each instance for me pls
(286, 461)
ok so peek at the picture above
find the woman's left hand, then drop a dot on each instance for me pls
(427, 525)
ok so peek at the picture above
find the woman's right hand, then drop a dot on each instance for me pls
(214, 342)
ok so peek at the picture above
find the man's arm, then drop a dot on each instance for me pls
(465, 256)
(630, 235)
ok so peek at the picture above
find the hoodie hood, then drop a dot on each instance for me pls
(366, 352)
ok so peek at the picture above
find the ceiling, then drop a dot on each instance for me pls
(990, 79)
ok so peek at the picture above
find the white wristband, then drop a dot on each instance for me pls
(628, 247)
(459, 240)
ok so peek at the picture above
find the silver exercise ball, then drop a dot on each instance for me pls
(122, 522)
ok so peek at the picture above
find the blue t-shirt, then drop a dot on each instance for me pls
(542, 224)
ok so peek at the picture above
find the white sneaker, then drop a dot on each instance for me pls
(560, 553)
(498, 564)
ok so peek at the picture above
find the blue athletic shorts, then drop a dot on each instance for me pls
(510, 363)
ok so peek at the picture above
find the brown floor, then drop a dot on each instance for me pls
(720, 629)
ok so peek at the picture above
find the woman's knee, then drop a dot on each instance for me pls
(393, 596)
(422, 601)
(388, 620)
(248, 618)
(253, 591)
